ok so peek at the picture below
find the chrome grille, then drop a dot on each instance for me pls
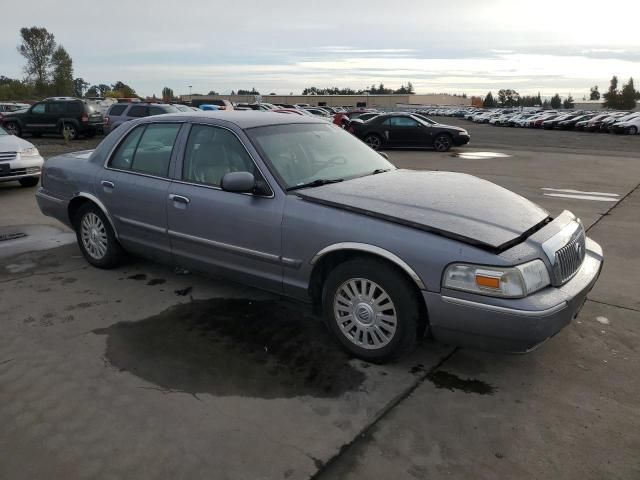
(7, 156)
(568, 259)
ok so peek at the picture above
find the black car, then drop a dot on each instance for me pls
(407, 130)
(68, 116)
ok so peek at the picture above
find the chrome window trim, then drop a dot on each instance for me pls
(505, 310)
(365, 247)
(181, 180)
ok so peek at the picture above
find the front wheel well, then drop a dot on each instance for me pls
(329, 261)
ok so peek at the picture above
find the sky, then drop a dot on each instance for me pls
(282, 46)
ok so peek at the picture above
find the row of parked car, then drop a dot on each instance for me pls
(609, 121)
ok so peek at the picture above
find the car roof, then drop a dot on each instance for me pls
(243, 119)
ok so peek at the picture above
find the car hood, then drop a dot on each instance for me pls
(11, 143)
(449, 127)
(454, 205)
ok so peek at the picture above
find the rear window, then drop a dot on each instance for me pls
(157, 110)
(117, 109)
(75, 107)
(138, 111)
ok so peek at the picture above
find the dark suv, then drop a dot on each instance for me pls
(56, 115)
(120, 113)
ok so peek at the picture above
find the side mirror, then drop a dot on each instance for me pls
(239, 182)
(383, 155)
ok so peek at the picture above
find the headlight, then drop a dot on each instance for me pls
(463, 132)
(30, 152)
(509, 282)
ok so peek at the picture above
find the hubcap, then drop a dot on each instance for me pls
(373, 142)
(94, 235)
(365, 313)
(442, 143)
(12, 129)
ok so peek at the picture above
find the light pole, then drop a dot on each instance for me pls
(190, 97)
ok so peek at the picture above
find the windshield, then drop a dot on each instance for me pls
(3, 132)
(302, 153)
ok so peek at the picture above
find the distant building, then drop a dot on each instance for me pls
(355, 101)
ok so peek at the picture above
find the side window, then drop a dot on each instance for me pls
(211, 152)
(156, 111)
(38, 108)
(117, 110)
(403, 122)
(75, 107)
(123, 157)
(153, 154)
(139, 111)
(56, 108)
(387, 122)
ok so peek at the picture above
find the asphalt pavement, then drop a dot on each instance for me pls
(149, 372)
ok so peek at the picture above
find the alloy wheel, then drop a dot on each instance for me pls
(365, 313)
(442, 143)
(94, 235)
(373, 141)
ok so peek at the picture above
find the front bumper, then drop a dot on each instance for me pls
(459, 140)
(511, 325)
(21, 167)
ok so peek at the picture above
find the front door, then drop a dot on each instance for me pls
(134, 188)
(37, 121)
(233, 234)
(407, 132)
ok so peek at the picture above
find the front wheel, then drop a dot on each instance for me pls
(13, 128)
(442, 143)
(96, 238)
(69, 131)
(374, 141)
(371, 309)
(633, 130)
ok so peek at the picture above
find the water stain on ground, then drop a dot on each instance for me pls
(183, 292)
(137, 276)
(156, 281)
(224, 347)
(452, 382)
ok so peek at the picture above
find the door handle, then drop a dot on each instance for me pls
(107, 184)
(179, 199)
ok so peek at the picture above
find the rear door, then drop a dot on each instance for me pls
(134, 187)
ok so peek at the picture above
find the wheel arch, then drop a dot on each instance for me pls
(82, 198)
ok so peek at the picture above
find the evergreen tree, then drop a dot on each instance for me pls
(489, 101)
(628, 95)
(568, 103)
(595, 94)
(62, 75)
(612, 97)
(556, 101)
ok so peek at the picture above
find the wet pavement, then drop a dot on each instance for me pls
(150, 372)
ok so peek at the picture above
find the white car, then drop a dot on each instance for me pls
(630, 125)
(19, 160)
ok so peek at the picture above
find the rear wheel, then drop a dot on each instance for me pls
(633, 130)
(29, 181)
(13, 128)
(371, 309)
(69, 131)
(96, 238)
(373, 140)
(442, 142)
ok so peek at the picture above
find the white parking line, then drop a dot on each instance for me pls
(582, 197)
(564, 190)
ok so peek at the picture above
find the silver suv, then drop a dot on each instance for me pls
(120, 113)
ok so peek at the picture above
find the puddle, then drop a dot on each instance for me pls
(29, 238)
(452, 382)
(479, 155)
(137, 276)
(228, 347)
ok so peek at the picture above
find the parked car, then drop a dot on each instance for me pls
(304, 209)
(69, 116)
(407, 130)
(12, 106)
(120, 113)
(19, 160)
(631, 125)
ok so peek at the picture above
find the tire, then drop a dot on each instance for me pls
(29, 181)
(443, 142)
(633, 130)
(13, 128)
(373, 140)
(71, 128)
(96, 238)
(366, 335)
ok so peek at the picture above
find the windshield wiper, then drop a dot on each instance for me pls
(316, 183)
(380, 170)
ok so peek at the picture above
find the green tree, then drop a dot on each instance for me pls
(37, 48)
(612, 97)
(79, 86)
(594, 94)
(62, 75)
(568, 103)
(508, 98)
(489, 101)
(628, 96)
(121, 90)
(556, 101)
(167, 94)
(212, 92)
